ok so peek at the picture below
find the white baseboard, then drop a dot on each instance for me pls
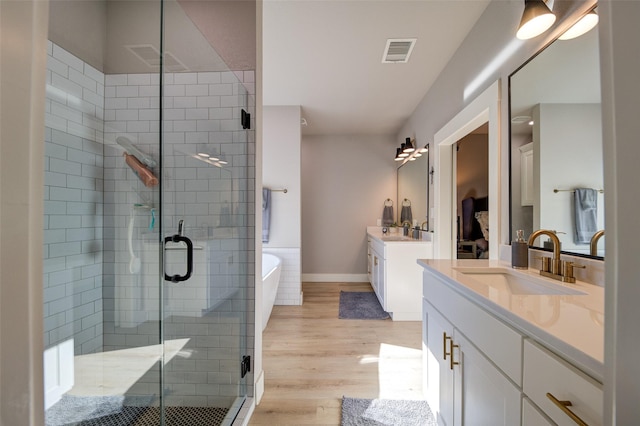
(58, 372)
(259, 388)
(335, 278)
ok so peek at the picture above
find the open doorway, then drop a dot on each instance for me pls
(483, 109)
(472, 194)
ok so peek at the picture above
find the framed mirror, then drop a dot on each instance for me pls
(556, 157)
(413, 188)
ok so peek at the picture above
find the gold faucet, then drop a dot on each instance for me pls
(556, 269)
(426, 222)
(594, 242)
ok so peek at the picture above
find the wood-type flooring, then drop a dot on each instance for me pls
(312, 359)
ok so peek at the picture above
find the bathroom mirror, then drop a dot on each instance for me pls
(556, 140)
(413, 188)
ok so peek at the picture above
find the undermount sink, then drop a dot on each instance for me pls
(516, 283)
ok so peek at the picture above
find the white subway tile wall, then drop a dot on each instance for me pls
(73, 212)
(289, 290)
(93, 291)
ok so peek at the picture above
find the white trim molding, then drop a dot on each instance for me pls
(485, 108)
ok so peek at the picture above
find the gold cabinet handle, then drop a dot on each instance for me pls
(444, 345)
(451, 361)
(375, 260)
(563, 405)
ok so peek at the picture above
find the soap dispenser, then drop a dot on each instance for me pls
(519, 252)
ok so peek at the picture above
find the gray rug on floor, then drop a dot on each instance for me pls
(75, 409)
(360, 305)
(386, 412)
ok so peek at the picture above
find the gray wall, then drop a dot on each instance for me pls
(345, 180)
(490, 52)
(472, 168)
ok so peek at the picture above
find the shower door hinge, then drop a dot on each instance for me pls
(245, 120)
(245, 365)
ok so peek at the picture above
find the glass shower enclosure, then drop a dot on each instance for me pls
(149, 213)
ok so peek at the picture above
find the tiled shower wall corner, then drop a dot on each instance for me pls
(201, 115)
(73, 209)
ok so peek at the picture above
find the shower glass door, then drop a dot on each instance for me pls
(207, 216)
(148, 226)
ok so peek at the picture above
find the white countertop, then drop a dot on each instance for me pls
(570, 325)
(395, 235)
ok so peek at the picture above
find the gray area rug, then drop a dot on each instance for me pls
(75, 409)
(360, 305)
(386, 412)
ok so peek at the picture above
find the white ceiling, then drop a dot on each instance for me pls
(326, 56)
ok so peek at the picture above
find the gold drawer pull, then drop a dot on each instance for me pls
(451, 361)
(444, 345)
(563, 405)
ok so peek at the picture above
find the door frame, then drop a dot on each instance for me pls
(484, 108)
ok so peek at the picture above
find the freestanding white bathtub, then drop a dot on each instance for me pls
(271, 268)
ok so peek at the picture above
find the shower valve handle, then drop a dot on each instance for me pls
(176, 239)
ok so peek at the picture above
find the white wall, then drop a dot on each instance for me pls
(23, 54)
(564, 166)
(345, 182)
(619, 32)
(281, 170)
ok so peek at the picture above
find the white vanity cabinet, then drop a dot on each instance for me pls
(396, 276)
(483, 368)
(463, 385)
(376, 251)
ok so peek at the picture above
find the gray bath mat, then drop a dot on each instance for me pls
(360, 305)
(75, 409)
(386, 412)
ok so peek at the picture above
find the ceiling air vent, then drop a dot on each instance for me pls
(398, 50)
(148, 54)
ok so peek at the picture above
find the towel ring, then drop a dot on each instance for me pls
(406, 203)
(388, 202)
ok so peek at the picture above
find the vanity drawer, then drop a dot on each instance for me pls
(544, 372)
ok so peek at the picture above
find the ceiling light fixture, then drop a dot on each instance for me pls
(583, 26)
(536, 19)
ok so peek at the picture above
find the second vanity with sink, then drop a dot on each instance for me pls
(393, 272)
(510, 347)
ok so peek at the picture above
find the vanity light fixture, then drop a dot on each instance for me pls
(536, 19)
(408, 146)
(583, 26)
(403, 154)
(398, 152)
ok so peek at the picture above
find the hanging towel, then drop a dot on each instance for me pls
(266, 213)
(387, 213)
(225, 214)
(586, 214)
(405, 214)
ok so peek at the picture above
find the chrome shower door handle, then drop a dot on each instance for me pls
(176, 239)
